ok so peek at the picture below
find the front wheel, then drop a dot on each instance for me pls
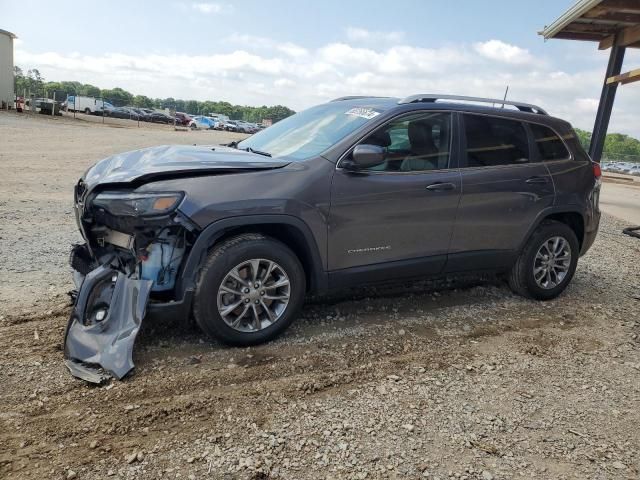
(547, 263)
(249, 291)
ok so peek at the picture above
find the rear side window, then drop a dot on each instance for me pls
(550, 146)
(495, 141)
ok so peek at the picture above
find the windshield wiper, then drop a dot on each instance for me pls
(258, 152)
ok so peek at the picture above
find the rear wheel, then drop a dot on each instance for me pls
(87, 111)
(547, 263)
(249, 291)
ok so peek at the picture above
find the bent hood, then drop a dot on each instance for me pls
(167, 161)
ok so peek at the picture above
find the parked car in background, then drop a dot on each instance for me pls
(143, 115)
(231, 126)
(182, 119)
(134, 114)
(219, 119)
(633, 170)
(200, 122)
(160, 117)
(244, 127)
(628, 168)
(121, 112)
(106, 108)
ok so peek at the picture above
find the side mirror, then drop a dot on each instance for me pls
(366, 156)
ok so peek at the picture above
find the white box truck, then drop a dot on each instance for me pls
(88, 105)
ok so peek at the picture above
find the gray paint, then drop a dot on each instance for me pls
(360, 219)
(107, 344)
(361, 222)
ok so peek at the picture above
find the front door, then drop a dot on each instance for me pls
(396, 219)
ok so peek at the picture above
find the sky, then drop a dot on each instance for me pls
(300, 53)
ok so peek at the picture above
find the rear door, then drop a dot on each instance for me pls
(397, 218)
(504, 188)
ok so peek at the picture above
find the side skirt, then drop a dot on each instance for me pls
(481, 262)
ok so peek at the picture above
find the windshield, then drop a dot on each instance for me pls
(311, 132)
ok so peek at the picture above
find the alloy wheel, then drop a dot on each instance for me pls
(254, 295)
(552, 262)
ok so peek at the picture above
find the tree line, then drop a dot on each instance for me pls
(617, 146)
(32, 82)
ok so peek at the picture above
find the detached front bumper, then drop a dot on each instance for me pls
(104, 322)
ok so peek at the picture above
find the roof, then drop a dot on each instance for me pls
(8, 34)
(599, 21)
(392, 106)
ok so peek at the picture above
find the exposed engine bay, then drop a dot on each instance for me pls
(129, 259)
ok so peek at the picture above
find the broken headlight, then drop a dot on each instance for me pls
(127, 204)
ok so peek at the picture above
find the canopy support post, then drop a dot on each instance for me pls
(605, 106)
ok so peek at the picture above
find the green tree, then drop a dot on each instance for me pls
(117, 96)
(192, 107)
(584, 138)
(88, 90)
(278, 112)
(30, 84)
(142, 101)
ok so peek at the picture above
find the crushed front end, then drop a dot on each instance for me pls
(134, 250)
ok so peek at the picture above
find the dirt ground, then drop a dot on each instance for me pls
(396, 382)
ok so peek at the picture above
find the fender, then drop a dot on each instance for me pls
(217, 229)
(550, 211)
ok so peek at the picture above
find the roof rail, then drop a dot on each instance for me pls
(523, 107)
(354, 97)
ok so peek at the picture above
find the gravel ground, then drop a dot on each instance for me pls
(393, 382)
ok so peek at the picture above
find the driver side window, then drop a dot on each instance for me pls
(414, 142)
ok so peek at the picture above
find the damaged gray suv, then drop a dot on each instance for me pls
(356, 191)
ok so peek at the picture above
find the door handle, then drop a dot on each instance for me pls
(537, 179)
(440, 187)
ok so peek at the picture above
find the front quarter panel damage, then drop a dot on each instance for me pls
(104, 323)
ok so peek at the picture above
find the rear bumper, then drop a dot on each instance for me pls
(590, 234)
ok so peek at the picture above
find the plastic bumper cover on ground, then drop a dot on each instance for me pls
(104, 323)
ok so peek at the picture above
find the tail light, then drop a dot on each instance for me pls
(597, 171)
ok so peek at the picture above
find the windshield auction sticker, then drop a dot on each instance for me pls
(367, 113)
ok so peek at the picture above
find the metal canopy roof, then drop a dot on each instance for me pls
(614, 24)
(599, 21)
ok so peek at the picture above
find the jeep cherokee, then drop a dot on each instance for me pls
(355, 191)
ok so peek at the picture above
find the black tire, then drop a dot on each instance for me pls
(521, 277)
(220, 261)
(87, 111)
